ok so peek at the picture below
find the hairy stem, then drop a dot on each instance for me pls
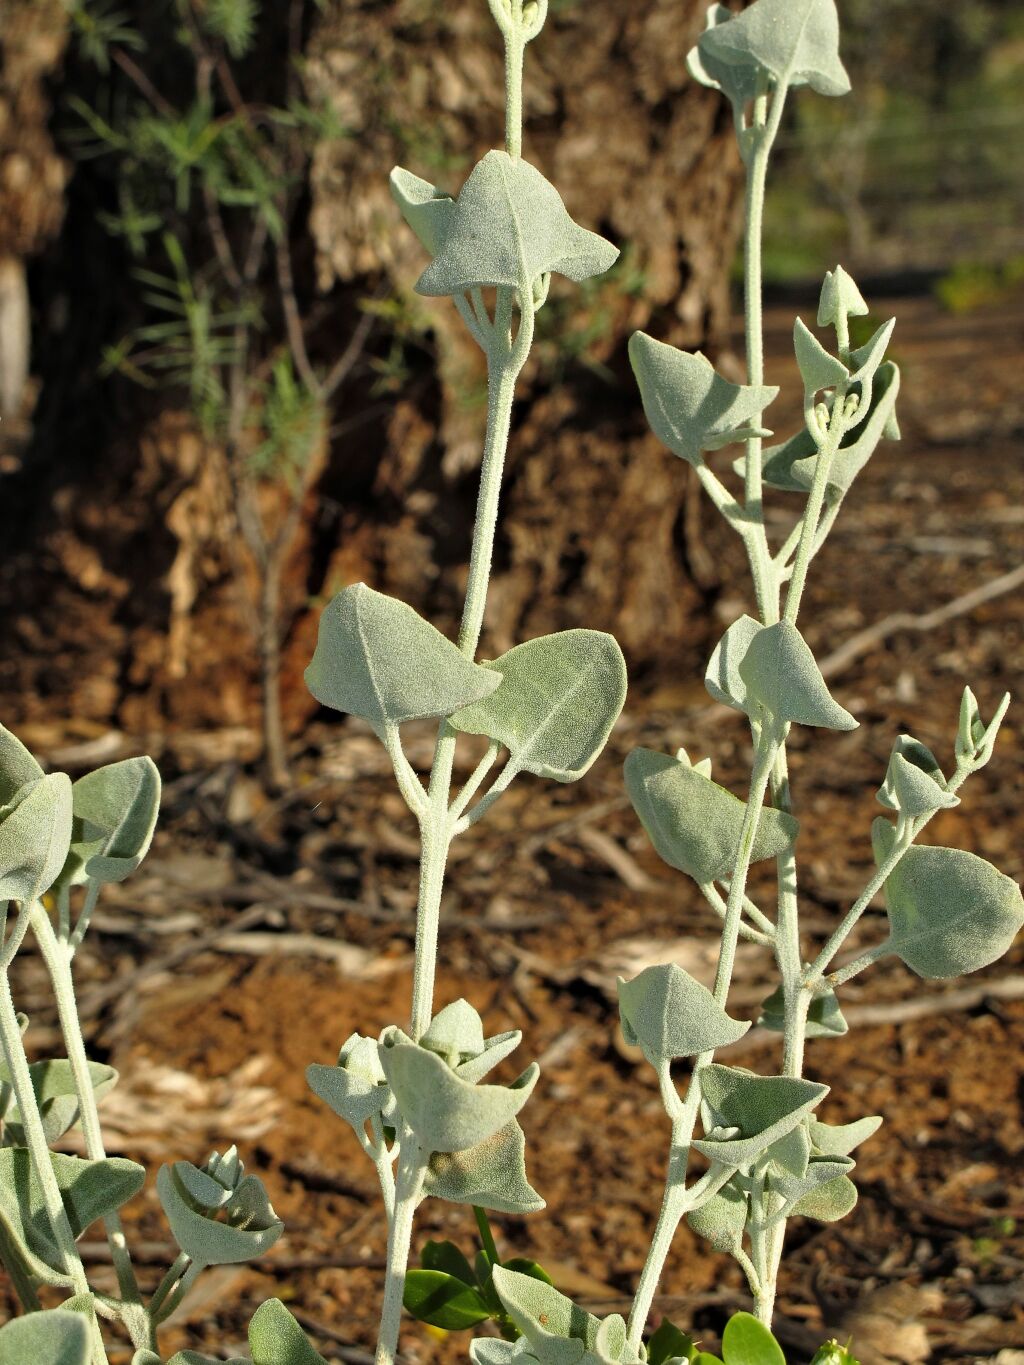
(407, 1193)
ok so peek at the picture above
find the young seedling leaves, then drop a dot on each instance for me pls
(377, 658)
(114, 812)
(669, 1343)
(840, 1139)
(442, 1300)
(791, 1155)
(491, 1174)
(667, 1013)
(754, 1110)
(795, 41)
(824, 1018)
(456, 1033)
(840, 299)
(56, 1096)
(193, 1197)
(949, 912)
(540, 1312)
(914, 782)
(818, 369)
(356, 1088)
(559, 697)
(509, 227)
(695, 824)
(780, 673)
(722, 1218)
(722, 678)
(17, 766)
(89, 1189)
(746, 1341)
(737, 83)
(428, 210)
(275, 1338)
(790, 466)
(828, 1203)
(447, 1113)
(832, 1353)
(975, 740)
(867, 358)
(55, 1337)
(689, 406)
(35, 831)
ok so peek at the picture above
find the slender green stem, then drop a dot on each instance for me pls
(483, 1224)
(57, 957)
(174, 1273)
(815, 502)
(92, 894)
(179, 1292)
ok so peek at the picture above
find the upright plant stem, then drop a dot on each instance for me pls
(407, 1193)
(515, 48)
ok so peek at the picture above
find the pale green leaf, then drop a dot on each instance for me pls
(689, 406)
(35, 832)
(722, 1219)
(491, 1351)
(509, 227)
(824, 1017)
(455, 1033)
(795, 41)
(447, 1113)
(722, 678)
(840, 299)
(427, 210)
(914, 782)
(559, 697)
(355, 1088)
(746, 1341)
(541, 1312)
(377, 658)
(250, 1225)
(754, 1110)
(668, 1013)
(975, 740)
(695, 824)
(840, 1139)
(56, 1095)
(275, 1338)
(17, 766)
(791, 1155)
(491, 1174)
(737, 83)
(781, 674)
(114, 811)
(820, 1172)
(495, 1050)
(949, 912)
(828, 1203)
(867, 358)
(818, 369)
(54, 1337)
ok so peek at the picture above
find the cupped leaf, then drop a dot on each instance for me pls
(443, 1301)
(559, 697)
(492, 1351)
(914, 782)
(949, 912)
(427, 210)
(820, 1172)
(867, 359)
(18, 767)
(695, 824)
(213, 1230)
(89, 1190)
(818, 369)
(455, 1033)
(541, 1312)
(795, 41)
(275, 1338)
(746, 1341)
(840, 299)
(355, 1088)
(824, 1017)
(56, 1096)
(828, 1203)
(495, 1050)
(737, 83)
(491, 1174)
(722, 1219)
(722, 678)
(781, 674)
(975, 740)
(115, 810)
(377, 658)
(751, 1112)
(35, 832)
(667, 1013)
(791, 1154)
(54, 1337)
(447, 1113)
(840, 1139)
(508, 227)
(689, 406)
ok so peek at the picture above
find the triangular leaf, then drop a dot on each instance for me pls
(755, 1110)
(949, 912)
(818, 369)
(840, 299)
(824, 1017)
(840, 1139)
(427, 210)
(780, 673)
(667, 1013)
(541, 1312)
(491, 1174)
(509, 227)
(56, 1095)
(275, 1338)
(35, 832)
(455, 1033)
(737, 83)
(377, 658)
(867, 358)
(914, 782)
(722, 1218)
(689, 406)
(559, 698)
(828, 1203)
(723, 679)
(694, 823)
(795, 41)
(115, 810)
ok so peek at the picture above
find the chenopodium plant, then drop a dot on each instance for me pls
(61, 842)
(418, 1099)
